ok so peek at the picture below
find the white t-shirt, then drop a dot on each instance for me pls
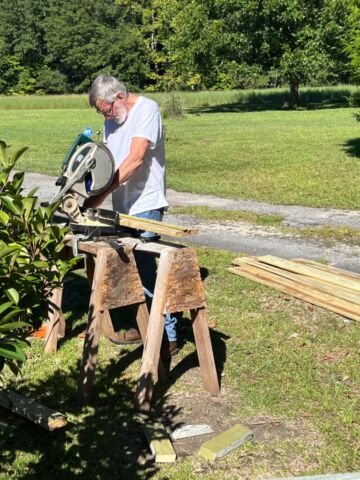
(145, 189)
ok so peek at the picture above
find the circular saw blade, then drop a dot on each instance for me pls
(99, 176)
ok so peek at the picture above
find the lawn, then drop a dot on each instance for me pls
(225, 144)
(289, 371)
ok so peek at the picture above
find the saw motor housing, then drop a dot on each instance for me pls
(88, 169)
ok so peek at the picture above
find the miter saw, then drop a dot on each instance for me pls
(88, 170)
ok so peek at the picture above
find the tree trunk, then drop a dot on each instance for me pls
(294, 93)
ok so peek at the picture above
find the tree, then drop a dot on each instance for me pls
(291, 41)
(22, 45)
(240, 43)
(352, 46)
(84, 39)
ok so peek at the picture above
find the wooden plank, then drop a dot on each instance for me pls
(313, 269)
(93, 331)
(121, 285)
(185, 289)
(157, 247)
(205, 351)
(154, 226)
(159, 442)
(31, 410)
(328, 268)
(107, 328)
(150, 360)
(292, 288)
(311, 272)
(331, 289)
(187, 431)
(327, 299)
(224, 443)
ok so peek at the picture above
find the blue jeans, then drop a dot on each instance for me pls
(146, 264)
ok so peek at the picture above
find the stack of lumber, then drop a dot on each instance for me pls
(332, 288)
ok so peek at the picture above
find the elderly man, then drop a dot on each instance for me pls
(134, 135)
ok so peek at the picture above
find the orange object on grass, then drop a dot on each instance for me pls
(41, 333)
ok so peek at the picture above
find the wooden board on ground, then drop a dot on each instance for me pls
(31, 410)
(328, 268)
(334, 289)
(224, 443)
(159, 443)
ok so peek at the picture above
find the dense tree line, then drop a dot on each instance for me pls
(56, 46)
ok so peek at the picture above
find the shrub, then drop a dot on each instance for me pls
(354, 99)
(172, 107)
(51, 81)
(30, 261)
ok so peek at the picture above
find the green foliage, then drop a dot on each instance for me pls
(30, 260)
(57, 46)
(354, 99)
(51, 81)
(352, 45)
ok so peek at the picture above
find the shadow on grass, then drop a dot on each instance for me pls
(256, 102)
(352, 147)
(106, 439)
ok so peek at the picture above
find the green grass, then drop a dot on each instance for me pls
(299, 157)
(289, 370)
(213, 214)
(248, 149)
(311, 97)
(330, 234)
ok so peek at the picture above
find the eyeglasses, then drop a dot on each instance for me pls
(108, 112)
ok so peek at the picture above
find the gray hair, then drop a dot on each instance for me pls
(106, 88)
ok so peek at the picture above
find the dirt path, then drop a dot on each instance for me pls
(246, 238)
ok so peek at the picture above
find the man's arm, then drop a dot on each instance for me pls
(132, 162)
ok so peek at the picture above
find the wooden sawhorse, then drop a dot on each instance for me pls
(178, 288)
(115, 282)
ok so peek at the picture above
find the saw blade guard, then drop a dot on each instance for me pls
(98, 173)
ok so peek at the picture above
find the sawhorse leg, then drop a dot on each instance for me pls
(205, 351)
(93, 331)
(150, 361)
(142, 320)
(55, 325)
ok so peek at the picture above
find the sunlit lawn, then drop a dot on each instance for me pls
(305, 157)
